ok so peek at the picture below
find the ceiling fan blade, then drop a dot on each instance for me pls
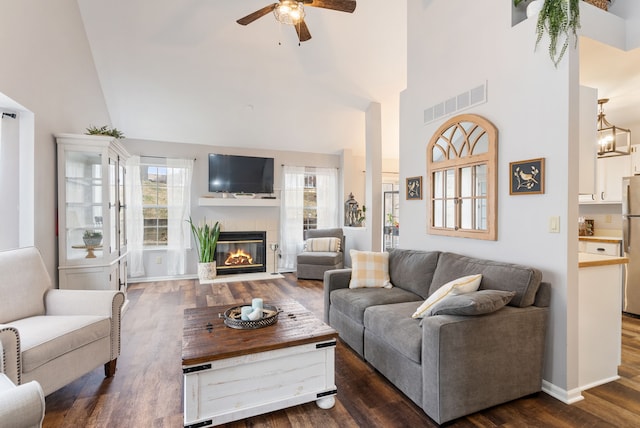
(339, 5)
(257, 14)
(303, 31)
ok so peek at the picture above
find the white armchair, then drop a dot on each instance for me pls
(49, 335)
(20, 406)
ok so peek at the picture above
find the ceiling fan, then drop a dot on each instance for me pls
(292, 12)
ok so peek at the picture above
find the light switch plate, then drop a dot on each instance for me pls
(554, 224)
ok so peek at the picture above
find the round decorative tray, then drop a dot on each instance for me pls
(232, 318)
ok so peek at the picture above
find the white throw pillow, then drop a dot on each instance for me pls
(369, 269)
(463, 285)
(327, 244)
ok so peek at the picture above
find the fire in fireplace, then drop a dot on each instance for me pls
(238, 258)
(241, 252)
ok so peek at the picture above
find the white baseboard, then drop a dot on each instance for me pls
(567, 397)
(131, 280)
(256, 276)
(600, 382)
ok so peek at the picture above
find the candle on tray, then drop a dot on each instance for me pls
(244, 312)
(256, 314)
(257, 303)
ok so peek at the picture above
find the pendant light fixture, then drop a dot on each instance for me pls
(612, 140)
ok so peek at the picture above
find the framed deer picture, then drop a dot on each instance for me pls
(527, 177)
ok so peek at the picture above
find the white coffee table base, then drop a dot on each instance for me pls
(235, 388)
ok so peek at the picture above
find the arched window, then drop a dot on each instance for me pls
(461, 161)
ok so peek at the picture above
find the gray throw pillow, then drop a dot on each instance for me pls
(474, 303)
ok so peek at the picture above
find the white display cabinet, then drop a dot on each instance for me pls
(91, 203)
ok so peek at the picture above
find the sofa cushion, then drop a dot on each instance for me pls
(524, 280)
(369, 269)
(44, 338)
(319, 258)
(353, 302)
(463, 285)
(322, 244)
(413, 270)
(474, 303)
(393, 324)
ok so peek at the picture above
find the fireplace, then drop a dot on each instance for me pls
(241, 252)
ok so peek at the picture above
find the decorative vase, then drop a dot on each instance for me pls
(534, 8)
(93, 241)
(206, 271)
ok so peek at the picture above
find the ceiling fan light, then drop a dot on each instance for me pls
(289, 12)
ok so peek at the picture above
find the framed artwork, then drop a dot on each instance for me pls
(527, 177)
(414, 188)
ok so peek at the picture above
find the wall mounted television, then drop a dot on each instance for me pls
(240, 174)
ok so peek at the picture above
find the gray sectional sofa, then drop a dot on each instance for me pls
(449, 365)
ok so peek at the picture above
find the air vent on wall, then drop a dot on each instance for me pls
(470, 98)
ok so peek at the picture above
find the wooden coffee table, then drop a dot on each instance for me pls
(231, 374)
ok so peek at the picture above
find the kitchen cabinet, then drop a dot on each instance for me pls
(599, 319)
(609, 174)
(635, 160)
(602, 248)
(91, 203)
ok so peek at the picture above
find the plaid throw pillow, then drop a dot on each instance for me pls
(322, 244)
(369, 269)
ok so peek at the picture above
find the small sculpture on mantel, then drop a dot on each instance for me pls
(353, 215)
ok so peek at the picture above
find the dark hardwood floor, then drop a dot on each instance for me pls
(147, 388)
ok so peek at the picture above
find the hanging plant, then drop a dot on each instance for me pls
(558, 18)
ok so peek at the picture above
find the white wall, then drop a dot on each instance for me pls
(9, 170)
(47, 67)
(231, 218)
(528, 101)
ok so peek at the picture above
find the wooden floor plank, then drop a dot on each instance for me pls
(147, 388)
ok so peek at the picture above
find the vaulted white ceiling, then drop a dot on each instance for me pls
(185, 71)
(616, 75)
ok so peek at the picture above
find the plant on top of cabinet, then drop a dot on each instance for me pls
(105, 130)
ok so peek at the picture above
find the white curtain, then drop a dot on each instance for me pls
(179, 173)
(328, 209)
(135, 219)
(291, 216)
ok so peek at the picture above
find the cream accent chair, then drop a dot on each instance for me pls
(21, 406)
(49, 335)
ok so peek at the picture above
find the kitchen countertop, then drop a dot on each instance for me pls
(605, 239)
(592, 260)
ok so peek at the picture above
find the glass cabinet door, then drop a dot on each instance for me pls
(83, 206)
(113, 207)
(122, 206)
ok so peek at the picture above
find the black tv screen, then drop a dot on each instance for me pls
(240, 174)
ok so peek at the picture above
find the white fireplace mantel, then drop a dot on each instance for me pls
(233, 202)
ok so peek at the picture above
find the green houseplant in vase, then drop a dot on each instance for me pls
(92, 238)
(206, 239)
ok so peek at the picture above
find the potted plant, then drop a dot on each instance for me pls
(92, 238)
(104, 130)
(206, 239)
(558, 18)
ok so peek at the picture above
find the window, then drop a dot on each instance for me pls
(154, 204)
(310, 202)
(461, 161)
